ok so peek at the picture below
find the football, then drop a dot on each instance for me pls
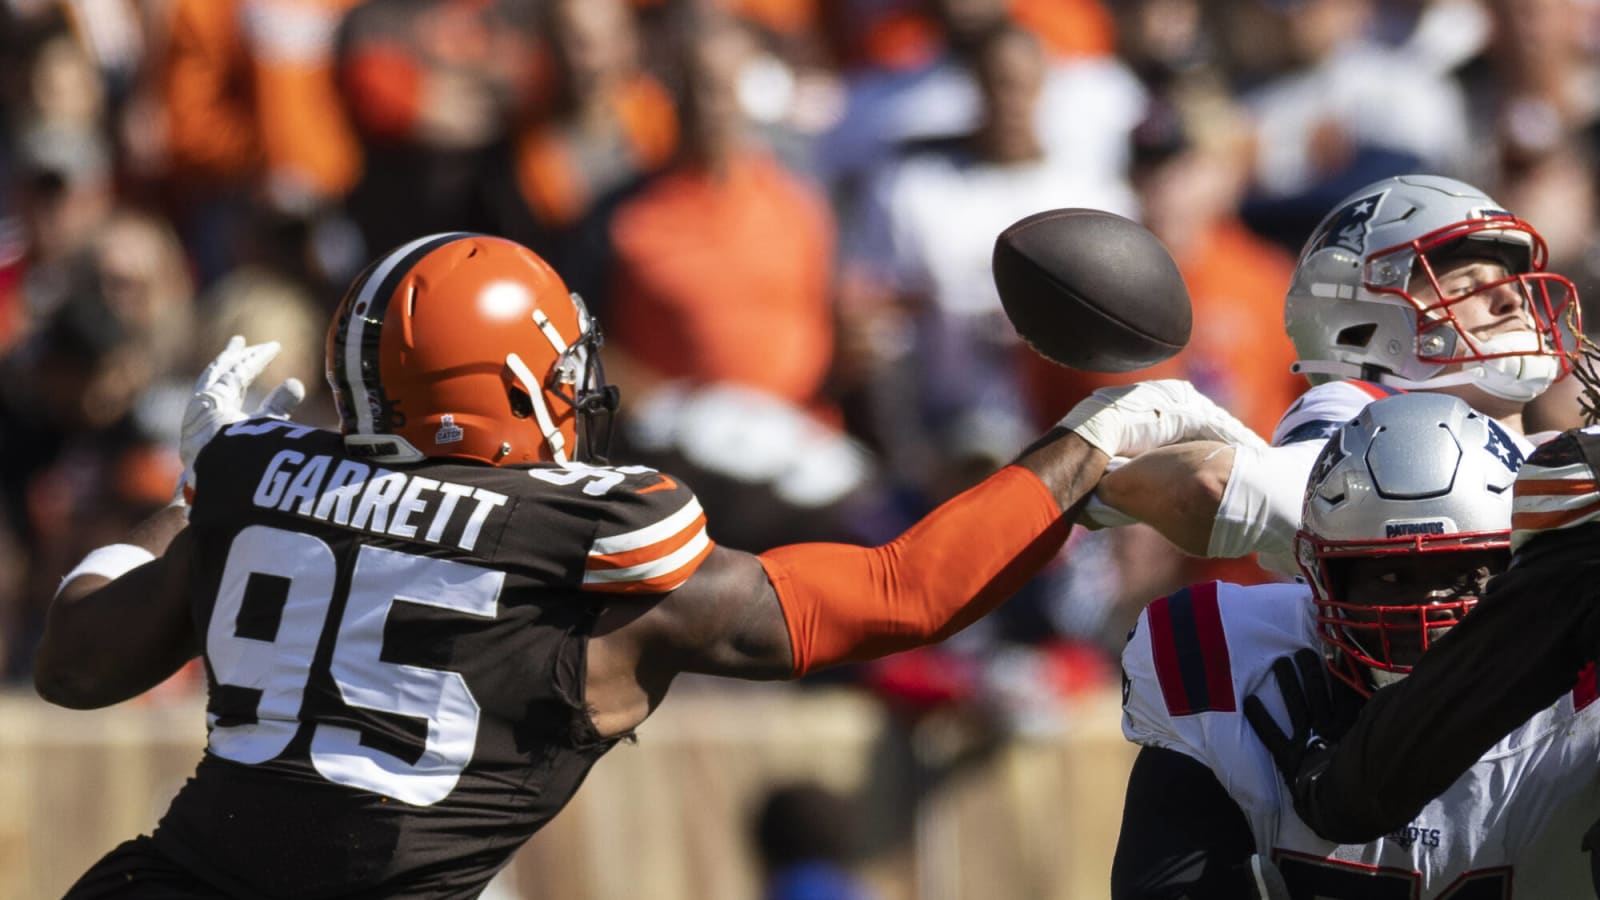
(1092, 290)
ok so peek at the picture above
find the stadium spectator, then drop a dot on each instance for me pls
(1087, 104)
(729, 324)
(607, 124)
(262, 305)
(765, 320)
(433, 90)
(1340, 109)
(254, 122)
(954, 404)
(81, 400)
(807, 837)
(64, 193)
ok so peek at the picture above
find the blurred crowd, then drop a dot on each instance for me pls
(781, 211)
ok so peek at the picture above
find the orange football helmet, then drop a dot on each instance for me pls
(470, 346)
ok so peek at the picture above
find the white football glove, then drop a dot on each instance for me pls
(1129, 419)
(218, 400)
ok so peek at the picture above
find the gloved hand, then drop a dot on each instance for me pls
(1129, 419)
(218, 401)
(1304, 754)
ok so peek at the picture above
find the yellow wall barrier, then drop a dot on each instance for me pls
(665, 819)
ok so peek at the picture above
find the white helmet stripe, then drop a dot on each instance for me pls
(374, 291)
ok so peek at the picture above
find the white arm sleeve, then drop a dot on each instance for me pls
(1260, 509)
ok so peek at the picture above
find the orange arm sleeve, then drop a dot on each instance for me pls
(847, 604)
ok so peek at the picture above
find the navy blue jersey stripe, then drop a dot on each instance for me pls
(1191, 655)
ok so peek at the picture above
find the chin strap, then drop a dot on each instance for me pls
(1518, 378)
(1326, 367)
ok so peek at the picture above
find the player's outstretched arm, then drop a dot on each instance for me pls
(804, 607)
(120, 624)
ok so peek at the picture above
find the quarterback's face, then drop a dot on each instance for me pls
(1483, 308)
(1410, 600)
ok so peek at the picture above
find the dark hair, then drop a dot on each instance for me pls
(803, 822)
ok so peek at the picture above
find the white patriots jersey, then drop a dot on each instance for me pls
(1260, 508)
(1515, 819)
(1320, 411)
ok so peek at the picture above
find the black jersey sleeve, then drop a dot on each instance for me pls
(1520, 649)
(1183, 837)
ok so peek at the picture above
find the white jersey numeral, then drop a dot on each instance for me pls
(597, 480)
(280, 667)
(275, 666)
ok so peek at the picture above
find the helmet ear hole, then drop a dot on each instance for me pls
(1357, 335)
(521, 403)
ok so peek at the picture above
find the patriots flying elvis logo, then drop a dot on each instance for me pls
(1348, 227)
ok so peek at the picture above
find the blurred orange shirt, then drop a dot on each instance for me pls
(250, 90)
(727, 278)
(905, 37)
(550, 167)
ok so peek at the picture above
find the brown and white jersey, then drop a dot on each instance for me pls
(395, 657)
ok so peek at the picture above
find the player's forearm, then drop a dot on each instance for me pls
(152, 536)
(846, 604)
(1175, 489)
(108, 639)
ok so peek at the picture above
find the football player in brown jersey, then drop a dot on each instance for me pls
(420, 633)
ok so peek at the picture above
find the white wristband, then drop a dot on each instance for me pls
(111, 561)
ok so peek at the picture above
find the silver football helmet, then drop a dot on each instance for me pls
(1351, 314)
(1412, 475)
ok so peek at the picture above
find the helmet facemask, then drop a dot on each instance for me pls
(579, 379)
(1426, 583)
(1514, 365)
